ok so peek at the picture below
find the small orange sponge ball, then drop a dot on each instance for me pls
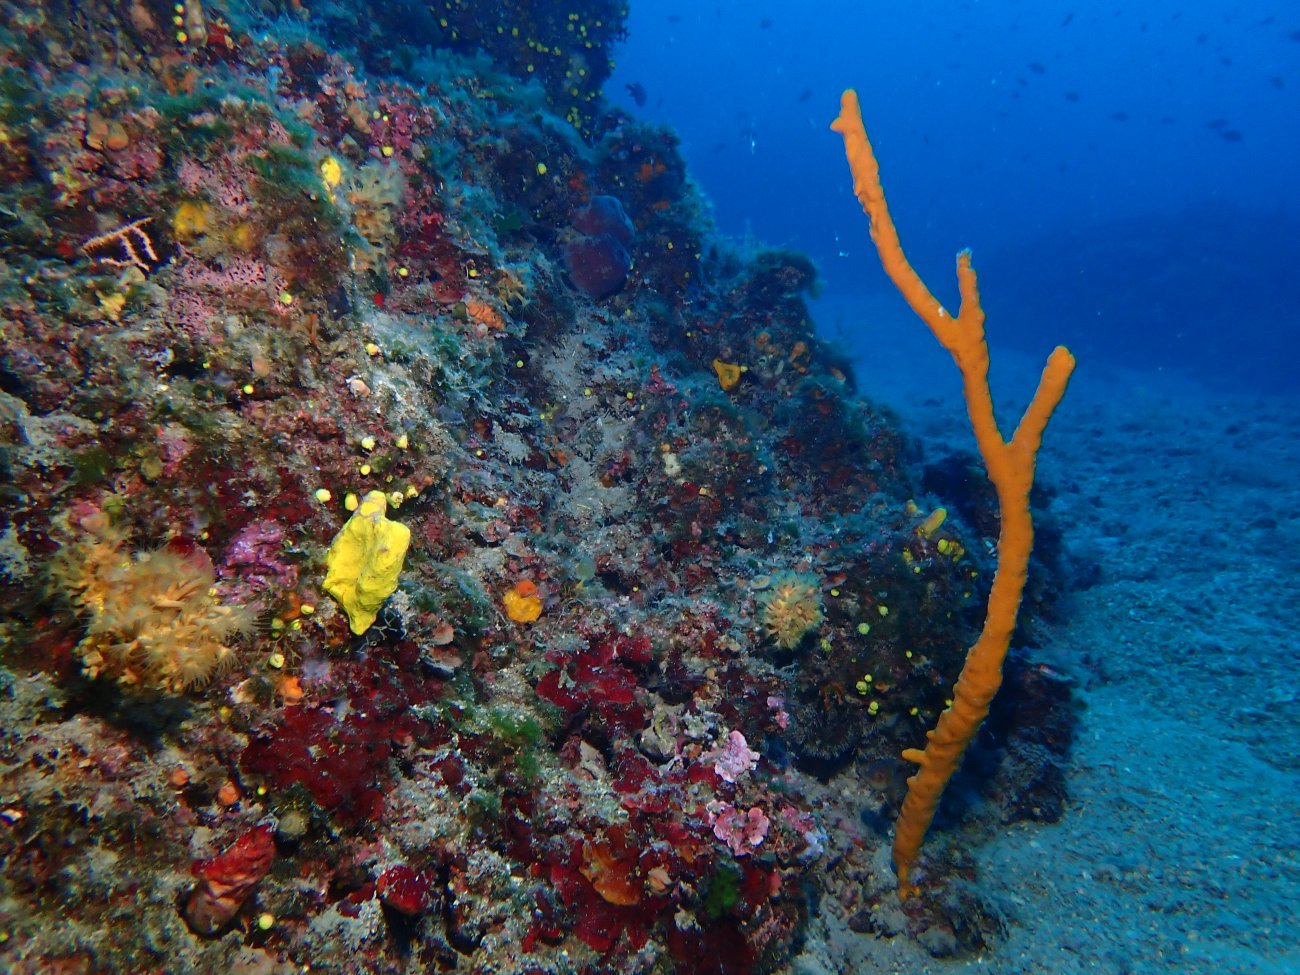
(523, 604)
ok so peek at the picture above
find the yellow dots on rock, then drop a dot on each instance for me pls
(331, 172)
(248, 389)
(864, 629)
(306, 609)
(387, 152)
(403, 442)
(403, 272)
(323, 495)
(541, 169)
(367, 443)
(395, 498)
(276, 660)
(364, 470)
(351, 502)
(286, 299)
(873, 708)
(265, 921)
(882, 610)
(372, 349)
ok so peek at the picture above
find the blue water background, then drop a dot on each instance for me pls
(1126, 175)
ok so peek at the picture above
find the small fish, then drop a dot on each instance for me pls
(1231, 135)
(1037, 68)
(1119, 116)
(637, 91)
(765, 23)
(1217, 123)
(1071, 96)
(1068, 17)
(805, 95)
(1276, 82)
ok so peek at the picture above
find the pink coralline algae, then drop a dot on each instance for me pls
(228, 880)
(254, 557)
(734, 758)
(741, 831)
(779, 714)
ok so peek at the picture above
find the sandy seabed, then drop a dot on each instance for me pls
(1180, 847)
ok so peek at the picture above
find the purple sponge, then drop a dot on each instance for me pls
(598, 261)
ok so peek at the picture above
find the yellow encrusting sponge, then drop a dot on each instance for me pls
(365, 560)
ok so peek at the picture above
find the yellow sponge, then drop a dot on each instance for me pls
(365, 559)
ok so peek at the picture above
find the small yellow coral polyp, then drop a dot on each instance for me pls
(522, 603)
(364, 561)
(791, 608)
(189, 221)
(932, 523)
(331, 172)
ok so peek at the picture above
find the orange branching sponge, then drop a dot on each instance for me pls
(1010, 467)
